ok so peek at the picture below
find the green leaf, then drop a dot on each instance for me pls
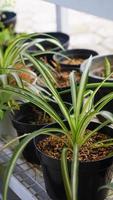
(65, 174)
(107, 186)
(18, 151)
(74, 173)
(107, 115)
(73, 90)
(49, 83)
(93, 132)
(1, 114)
(82, 88)
(107, 67)
(36, 100)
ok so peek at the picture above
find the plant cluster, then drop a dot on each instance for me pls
(14, 69)
(82, 113)
(78, 117)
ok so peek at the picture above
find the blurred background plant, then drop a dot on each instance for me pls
(6, 4)
(7, 18)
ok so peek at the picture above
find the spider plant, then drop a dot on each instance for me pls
(13, 68)
(82, 113)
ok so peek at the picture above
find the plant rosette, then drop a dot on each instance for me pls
(93, 166)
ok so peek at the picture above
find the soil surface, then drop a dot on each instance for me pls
(53, 145)
(63, 79)
(37, 117)
(73, 61)
(61, 76)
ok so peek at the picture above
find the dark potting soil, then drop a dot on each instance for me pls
(73, 61)
(42, 118)
(37, 117)
(62, 79)
(53, 145)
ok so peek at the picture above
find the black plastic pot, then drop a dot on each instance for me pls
(8, 19)
(97, 63)
(63, 38)
(21, 120)
(73, 53)
(91, 175)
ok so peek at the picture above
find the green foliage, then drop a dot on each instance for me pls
(6, 37)
(11, 57)
(107, 67)
(81, 115)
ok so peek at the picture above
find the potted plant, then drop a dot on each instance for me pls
(77, 131)
(101, 68)
(14, 69)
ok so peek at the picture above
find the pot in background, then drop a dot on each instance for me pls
(92, 175)
(63, 38)
(21, 120)
(9, 19)
(80, 54)
(24, 122)
(97, 64)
